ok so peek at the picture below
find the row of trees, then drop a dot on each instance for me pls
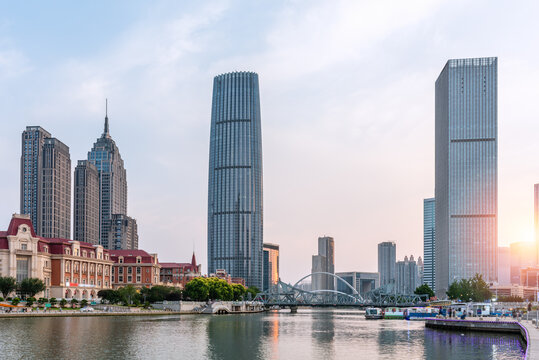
(203, 289)
(26, 288)
(474, 289)
(129, 295)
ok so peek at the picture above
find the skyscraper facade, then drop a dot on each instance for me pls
(105, 156)
(86, 203)
(123, 232)
(46, 183)
(429, 243)
(387, 257)
(408, 275)
(235, 208)
(466, 163)
(271, 265)
(324, 261)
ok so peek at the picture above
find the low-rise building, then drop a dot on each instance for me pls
(68, 268)
(179, 274)
(135, 267)
(524, 292)
(222, 274)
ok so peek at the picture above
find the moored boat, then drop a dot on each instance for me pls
(374, 313)
(394, 313)
(421, 313)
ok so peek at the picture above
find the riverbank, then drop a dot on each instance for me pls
(86, 314)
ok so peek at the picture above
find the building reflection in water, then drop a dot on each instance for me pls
(323, 334)
(235, 336)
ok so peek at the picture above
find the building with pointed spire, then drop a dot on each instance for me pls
(179, 274)
(112, 195)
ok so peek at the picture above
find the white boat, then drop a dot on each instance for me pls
(374, 314)
(421, 313)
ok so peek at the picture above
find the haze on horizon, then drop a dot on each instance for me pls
(347, 101)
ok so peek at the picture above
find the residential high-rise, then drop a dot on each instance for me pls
(324, 262)
(466, 181)
(123, 232)
(429, 244)
(408, 275)
(46, 183)
(235, 209)
(106, 157)
(86, 203)
(271, 265)
(387, 257)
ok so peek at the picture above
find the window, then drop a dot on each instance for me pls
(138, 278)
(22, 269)
(84, 253)
(138, 259)
(67, 251)
(92, 254)
(67, 279)
(68, 266)
(121, 260)
(129, 278)
(147, 271)
(130, 270)
(45, 249)
(84, 281)
(98, 282)
(24, 247)
(112, 271)
(138, 270)
(120, 270)
(120, 278)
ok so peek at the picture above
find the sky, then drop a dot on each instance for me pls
(347, 104)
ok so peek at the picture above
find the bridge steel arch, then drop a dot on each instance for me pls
(327, 273)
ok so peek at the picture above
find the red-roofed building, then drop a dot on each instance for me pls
(179, 274)
(69, 269)
(134, 267)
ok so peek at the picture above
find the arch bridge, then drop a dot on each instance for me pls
(293, 296)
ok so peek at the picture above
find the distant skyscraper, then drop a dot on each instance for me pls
(387, 257)
(363, 282)
(536, 219)
(271, 265)
(466, 181)
(408, 275)
(522, 256)
(504, 265)
(324, 262)
(123, 232)
(235, 209)
(46, 183)
(112, 182)
(429, 243)
(86, 207)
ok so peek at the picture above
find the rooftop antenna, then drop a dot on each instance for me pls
(106, 131)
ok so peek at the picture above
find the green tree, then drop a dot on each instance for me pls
(128, 294)
(510, 298)
(219, 289)
(8, 284)
(31, 286)
(83, 303)
(474, 289)
(30, 301)
(42, 301)
(480, 289)
(197, 289)
(53, 301)
(239, 291)
(110, 296)
(15, 301)
(424, 290)
(63, 303)
(74, 302)
(252, 291)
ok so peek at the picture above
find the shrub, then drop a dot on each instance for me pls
(1, 298)
(15, 301)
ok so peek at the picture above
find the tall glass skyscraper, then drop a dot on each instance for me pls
(466, 181)
(106, 157)
(429, 243)
(235, 211)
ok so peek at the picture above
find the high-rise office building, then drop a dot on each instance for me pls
(429, 243)
(522, 256)
(86, 203)
(466, 181)
(46, 183)
(123, 232)
(387, 257)
(235, 209)
(324, 261)
(362, 282)
(271, 265)
(106, 157)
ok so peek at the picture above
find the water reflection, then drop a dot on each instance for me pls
(309, 334)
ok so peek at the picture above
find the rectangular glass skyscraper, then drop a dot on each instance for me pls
(429, 243)
(235, 211)
(466, 181)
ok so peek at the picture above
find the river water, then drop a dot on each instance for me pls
(309, 334)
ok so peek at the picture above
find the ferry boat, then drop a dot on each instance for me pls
(394, 313)
(421, 313)
(374, 313)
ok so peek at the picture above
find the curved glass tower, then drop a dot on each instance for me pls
(235, 211)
